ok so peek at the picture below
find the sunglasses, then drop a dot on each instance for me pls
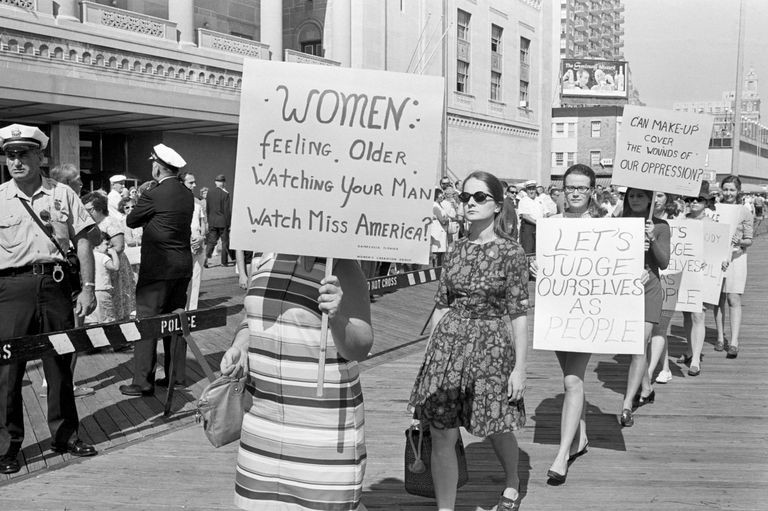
(688, 200)
(479, 197)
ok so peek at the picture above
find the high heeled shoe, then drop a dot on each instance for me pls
(626, 419)
(650, 398)
(582, 452)
(556, 478)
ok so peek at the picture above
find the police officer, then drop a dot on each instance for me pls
(35, 295)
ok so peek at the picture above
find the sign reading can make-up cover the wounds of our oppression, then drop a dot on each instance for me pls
(662, 150)
(589, 293)
(336, 162)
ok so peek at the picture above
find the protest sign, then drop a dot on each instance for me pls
(682, 280)
(717, 250)
(728, 214)
(336, 162)
(662, 150)
(589, 297)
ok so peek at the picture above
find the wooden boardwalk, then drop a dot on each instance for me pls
(703, 444)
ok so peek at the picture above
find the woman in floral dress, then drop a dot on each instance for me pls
(474, 373)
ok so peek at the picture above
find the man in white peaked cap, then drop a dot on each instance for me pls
(165, 213)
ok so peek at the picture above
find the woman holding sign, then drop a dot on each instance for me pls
(579, 182)
(638, 203)
(474, 368)
(298, 450)
(736, 275)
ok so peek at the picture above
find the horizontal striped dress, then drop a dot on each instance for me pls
(297, 451)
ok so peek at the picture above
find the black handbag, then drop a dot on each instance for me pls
(418, 452)
(71, 265)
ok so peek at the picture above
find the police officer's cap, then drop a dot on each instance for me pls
(21, 136)
(529, 184)
(167, 157)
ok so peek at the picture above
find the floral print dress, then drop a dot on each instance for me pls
(471, 354)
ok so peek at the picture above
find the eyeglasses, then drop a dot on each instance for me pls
(479, 197)
(580, 189)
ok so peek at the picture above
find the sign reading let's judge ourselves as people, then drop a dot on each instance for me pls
(336, 162)
(589, 294)
(662, 150)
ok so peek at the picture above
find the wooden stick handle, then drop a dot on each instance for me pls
(323, 336)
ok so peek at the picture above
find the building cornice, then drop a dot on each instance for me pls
(488, 126)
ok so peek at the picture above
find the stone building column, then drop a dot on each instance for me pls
(272, 26)
(65, 144)
(67, 10)
(341, 35)
(182, 12)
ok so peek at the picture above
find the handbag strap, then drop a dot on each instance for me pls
(416, 452)
(42, 227)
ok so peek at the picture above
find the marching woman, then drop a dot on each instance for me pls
(638, 203)
(579, 183)
(736, 275)
(474, 369)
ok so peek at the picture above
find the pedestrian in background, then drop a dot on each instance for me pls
(219, 206)
(199, 227)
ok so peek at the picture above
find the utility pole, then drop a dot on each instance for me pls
(736, 149)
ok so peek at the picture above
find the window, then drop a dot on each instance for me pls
(595, 129)
(495, 86)
(523, 94)
(571, 129)
(496, 32)
(462, 76)
(463, 25)
(558, 159)
(312, 48)
(594, 158)
(559, 128)
(571, 159)
(525, 51)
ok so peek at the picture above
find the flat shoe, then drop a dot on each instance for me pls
(720, 346)
(135, 390)
(694, 371)
(664, 377)
(626, 419)
(9, 464)
(556, 477)
(163, 382)
(733, 351)
(507, 504)
(75, 448)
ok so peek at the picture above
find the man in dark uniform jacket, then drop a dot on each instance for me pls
(35, 295)
(165, 213)
(219, 206)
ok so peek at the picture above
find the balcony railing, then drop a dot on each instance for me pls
(28, 5)
(231, 44)
(306, 58)
(131, 21)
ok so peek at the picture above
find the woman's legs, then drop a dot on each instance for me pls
(696, 336)
(719, 311)
(445, 466)
(572, 419)
(659, 345)
(734, 311)
(505, 445)
(688, 329)
(637, 369)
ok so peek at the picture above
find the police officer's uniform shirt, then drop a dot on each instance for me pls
(22, 242)
(528, 206)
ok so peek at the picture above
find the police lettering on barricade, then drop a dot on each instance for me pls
(589, 297)
(336, 163)
(33, 347)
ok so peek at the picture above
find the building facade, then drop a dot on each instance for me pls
(592, 29)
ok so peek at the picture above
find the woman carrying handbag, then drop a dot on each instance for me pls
(473, 374)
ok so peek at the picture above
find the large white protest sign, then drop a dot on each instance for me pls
(717, 250)
(589, 297)
(682, 280)
(662, 150)
(730, 215)
(336, 162)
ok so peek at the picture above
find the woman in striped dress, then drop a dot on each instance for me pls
(299, 451)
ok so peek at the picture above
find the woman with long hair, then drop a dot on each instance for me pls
(736, 275)
(579, 184)
(638, 203)
(474, 368)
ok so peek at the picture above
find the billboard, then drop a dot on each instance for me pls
(593, 78)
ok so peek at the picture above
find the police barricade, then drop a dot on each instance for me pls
(179, 325)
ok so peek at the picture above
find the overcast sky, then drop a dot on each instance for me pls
(685, 50)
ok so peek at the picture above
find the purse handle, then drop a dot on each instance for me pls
(418, 466)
